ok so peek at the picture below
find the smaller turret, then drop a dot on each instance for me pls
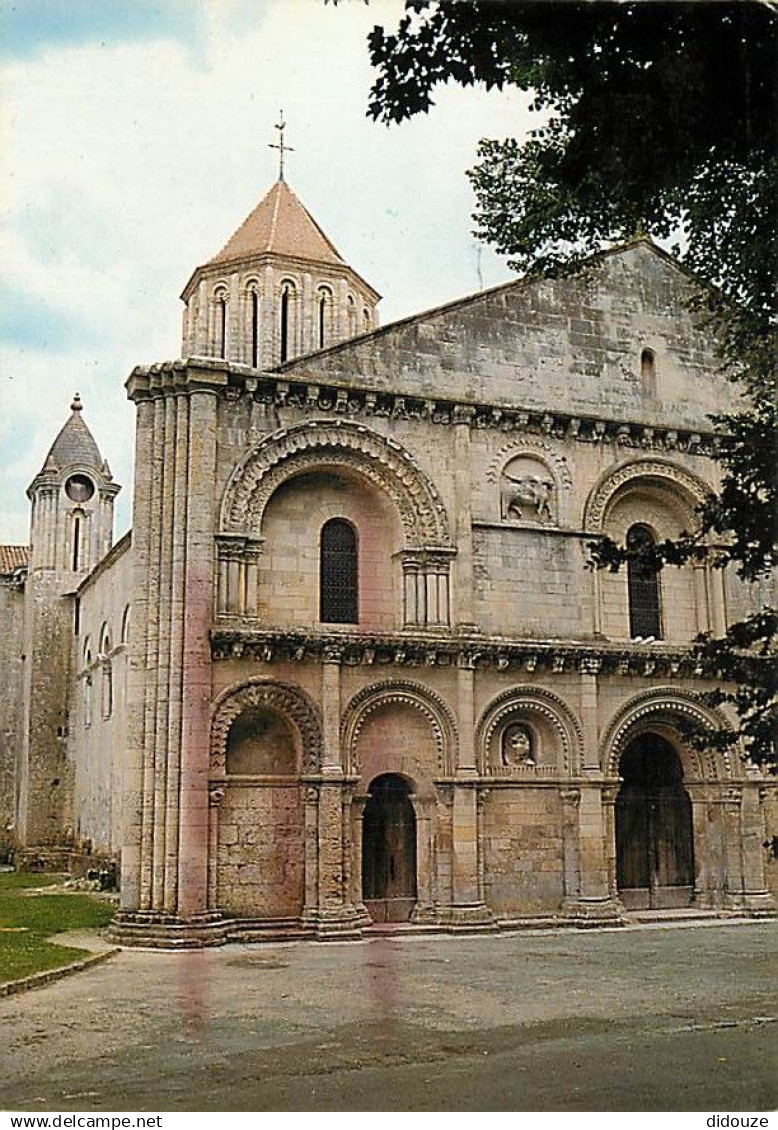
(71, 524)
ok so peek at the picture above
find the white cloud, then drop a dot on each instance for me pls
(126, 166)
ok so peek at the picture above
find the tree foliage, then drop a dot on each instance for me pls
(659, 117)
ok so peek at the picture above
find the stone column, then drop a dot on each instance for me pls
(756, 897)
(596, 902)
(170, 889)
(336, 915)
(134, 773)
(215, 798)
(467, 906)
(424, 808)
(701, 577)
(311, 849)
(196, 672)
(463, 615)
(571, 855)
(357, 817)
(733, 861)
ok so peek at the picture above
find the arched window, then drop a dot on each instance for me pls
(107, 672)
(338, 573)
(126, 625)
(254, 297)
(107, 688)
(324, 306)
(286, 315)
(351, 316)
(366, 320)
(648, 370)
(87, 684)
(76, 546)
(645, 618)
(221, 322)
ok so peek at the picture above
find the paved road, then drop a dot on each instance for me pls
(658, 1018)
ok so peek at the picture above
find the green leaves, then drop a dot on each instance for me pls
(655, 117)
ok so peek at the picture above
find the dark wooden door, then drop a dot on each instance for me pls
(654, 840)
(389, 851)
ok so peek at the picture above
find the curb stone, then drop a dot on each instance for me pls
(38, 980)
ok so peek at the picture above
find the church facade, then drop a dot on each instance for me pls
(350, 666)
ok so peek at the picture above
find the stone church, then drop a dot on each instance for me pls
(350, 667)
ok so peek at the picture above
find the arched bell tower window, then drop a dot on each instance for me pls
(77, 533)
(324, 306)
(351, 316)
(286, 319)
(645, 619)
(254, 301)
(221, 322)
(338, 573)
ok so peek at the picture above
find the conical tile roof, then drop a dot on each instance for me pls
(74, 444)
(280, 224)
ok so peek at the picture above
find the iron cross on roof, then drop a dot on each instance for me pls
(282, 147)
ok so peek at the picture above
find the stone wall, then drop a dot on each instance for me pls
(260, 854)
(11, 718)
(522, 851)
(98, 709)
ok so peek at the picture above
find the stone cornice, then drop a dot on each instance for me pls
(355, 401)
(524, 658)
(254, 263)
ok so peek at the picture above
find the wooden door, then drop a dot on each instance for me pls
(389, 851)
(654, 840)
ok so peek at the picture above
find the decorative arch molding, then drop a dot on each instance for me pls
(537, 449)
(403, 692)
(663, 706)
(685, 486)
(532, 700)
(317, 443)
(289, 701)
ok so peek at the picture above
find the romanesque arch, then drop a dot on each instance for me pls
(320, 443)
(665, 708)
(530, 702)
(687, 490)
(290, 702)
(400, 693)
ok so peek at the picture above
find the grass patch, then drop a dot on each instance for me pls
(28, 919)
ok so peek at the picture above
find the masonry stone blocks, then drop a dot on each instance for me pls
(477, 736)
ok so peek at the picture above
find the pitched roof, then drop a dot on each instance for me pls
(74, 444)
(13, 557)
(282, 225)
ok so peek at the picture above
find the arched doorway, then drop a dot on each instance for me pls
(389, 850)
(654, 841)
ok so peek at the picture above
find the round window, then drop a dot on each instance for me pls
(79, 488)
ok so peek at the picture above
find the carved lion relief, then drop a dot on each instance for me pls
(528, 491)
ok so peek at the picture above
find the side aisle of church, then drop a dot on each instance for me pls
(352, 666)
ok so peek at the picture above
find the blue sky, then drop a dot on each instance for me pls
(29, 27)
(135, 139)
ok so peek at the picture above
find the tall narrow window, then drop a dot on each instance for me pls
(222, 328)
(285, 295)
(351, 316)
(643, 582)
(322, 320)
(338, 573)
(366, 320)
(254, 329)
(76, 542)
(648, 370)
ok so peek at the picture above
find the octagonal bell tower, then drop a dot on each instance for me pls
(278, 289)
